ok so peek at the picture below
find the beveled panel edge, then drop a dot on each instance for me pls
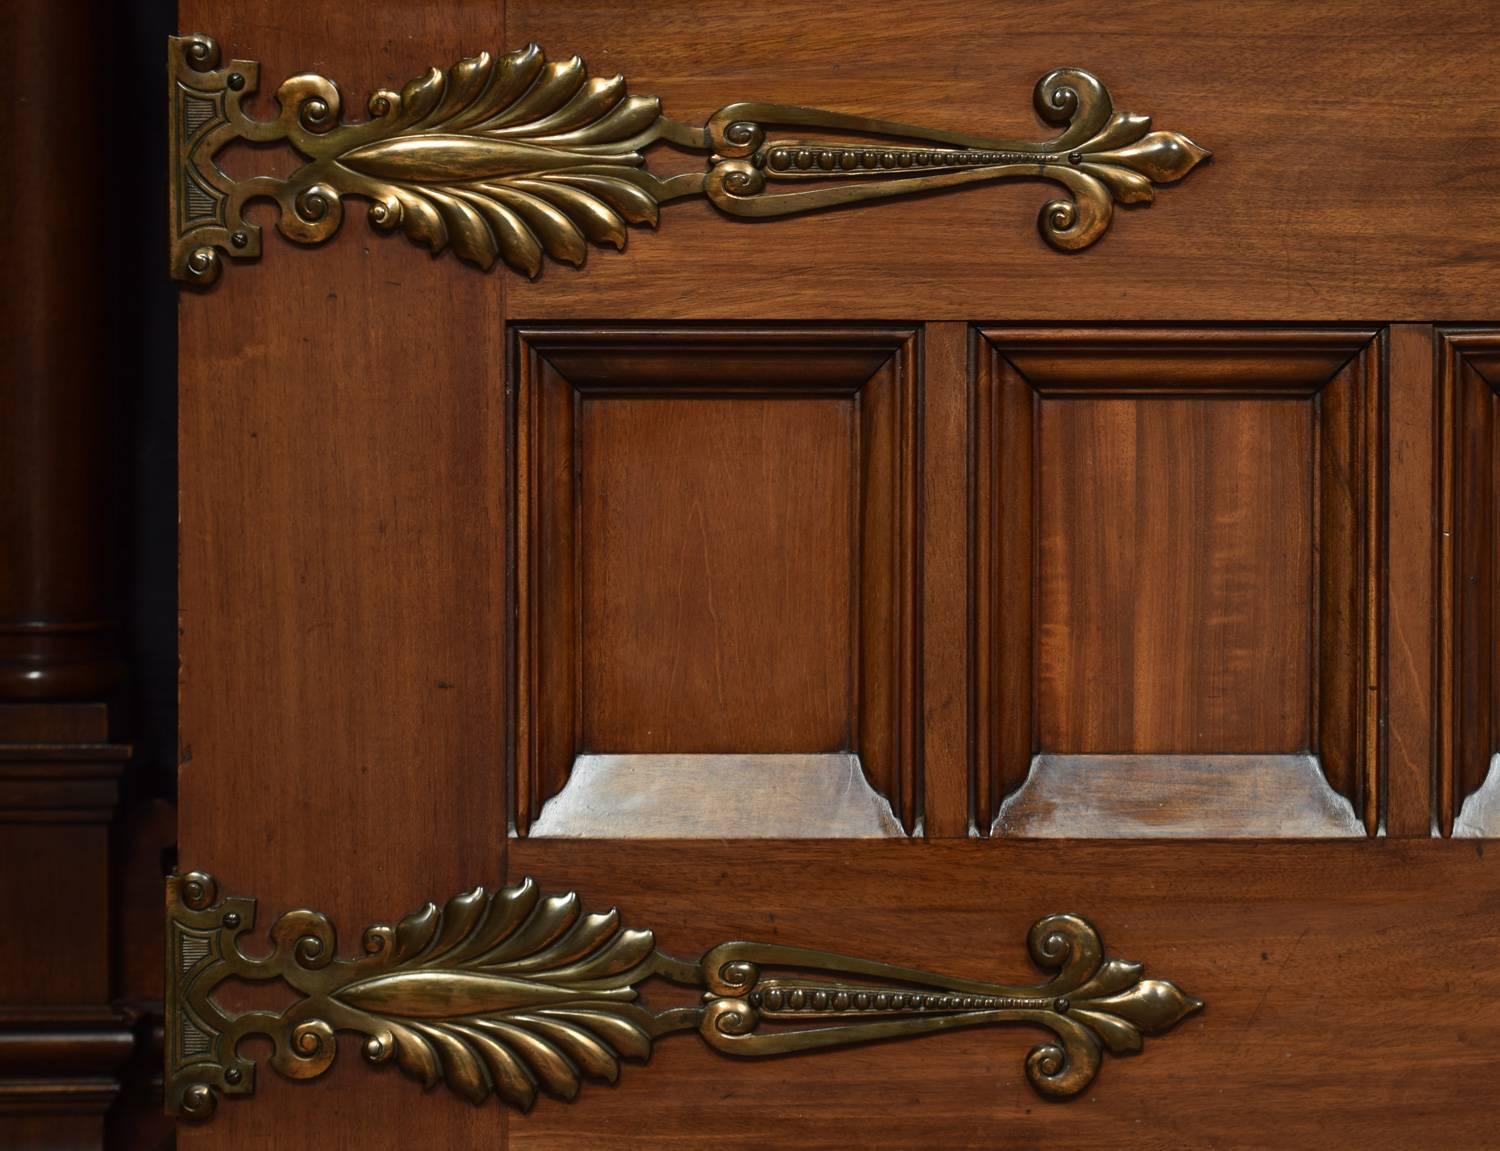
(818, 796)
(1125, 360)
(846, 356)
(1479, 817)
(1476, 346)
(1177, 797)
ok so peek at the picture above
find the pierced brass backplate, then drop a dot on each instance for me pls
(510, 993)
(516, 158)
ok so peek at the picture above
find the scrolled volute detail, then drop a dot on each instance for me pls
(514, 994)
(517, 159)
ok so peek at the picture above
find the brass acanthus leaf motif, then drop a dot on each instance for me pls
(508, 159)
(504, 994)
(512, 994)
(516, 158)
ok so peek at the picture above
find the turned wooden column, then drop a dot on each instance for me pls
(62, 511)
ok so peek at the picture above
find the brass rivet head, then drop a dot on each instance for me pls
(239, 239)
(232, 919)
(236, 81)
(198, 1101)
(233, 1076)
(1062, 1006)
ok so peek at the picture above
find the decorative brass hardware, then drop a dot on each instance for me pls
(509, 993)
(517, 158)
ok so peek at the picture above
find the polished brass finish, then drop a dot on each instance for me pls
(508, 993)
(515, 158)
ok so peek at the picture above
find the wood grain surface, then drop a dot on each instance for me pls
(1348, 180)
(354, 628)
(1178, 548)
(342, 592)
(1412, 623)
(1176, 555)
(706, 518)
(1345, 997)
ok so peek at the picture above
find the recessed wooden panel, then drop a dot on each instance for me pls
(715, 539)
(702, 520)
(1175, 576)
(1174, 542)
(1470, 389)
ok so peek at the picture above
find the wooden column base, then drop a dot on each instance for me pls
(64, 1043)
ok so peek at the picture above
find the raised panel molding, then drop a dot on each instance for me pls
(1177, 581)
(1469, 582)
(715, 577)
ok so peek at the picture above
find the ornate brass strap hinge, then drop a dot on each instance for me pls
(510, 993)
(516, 158)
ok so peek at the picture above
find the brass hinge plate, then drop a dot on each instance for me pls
(513, 994)
(515, 158)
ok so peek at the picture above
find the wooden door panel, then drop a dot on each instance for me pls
(715, 571)
(1176, 562)
(340, 605)
(899, 504)
(1336, 999)
(675, 595)
(1176, 577)
(1322, 211)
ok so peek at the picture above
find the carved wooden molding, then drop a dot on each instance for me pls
(516, 158)
(1468, 726)
(559, 372)
(511, 994)
(1026, 376)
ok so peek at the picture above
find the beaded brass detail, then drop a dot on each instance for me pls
(512, 994)
(516, 158)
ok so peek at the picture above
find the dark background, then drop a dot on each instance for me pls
(147, 333)
(88, 571)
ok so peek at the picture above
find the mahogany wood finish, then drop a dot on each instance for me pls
(1412, 621)
(715, 548)
(342, 593)
(1177, 552)
(1338, 1005)
(394, 625)
(948, 704)
(1470, 382)
(1343, 185)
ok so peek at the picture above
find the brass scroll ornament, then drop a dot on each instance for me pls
(517, 158)
(509, 993)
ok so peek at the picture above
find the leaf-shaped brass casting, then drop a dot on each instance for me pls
(517, 158)
(510, 993)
